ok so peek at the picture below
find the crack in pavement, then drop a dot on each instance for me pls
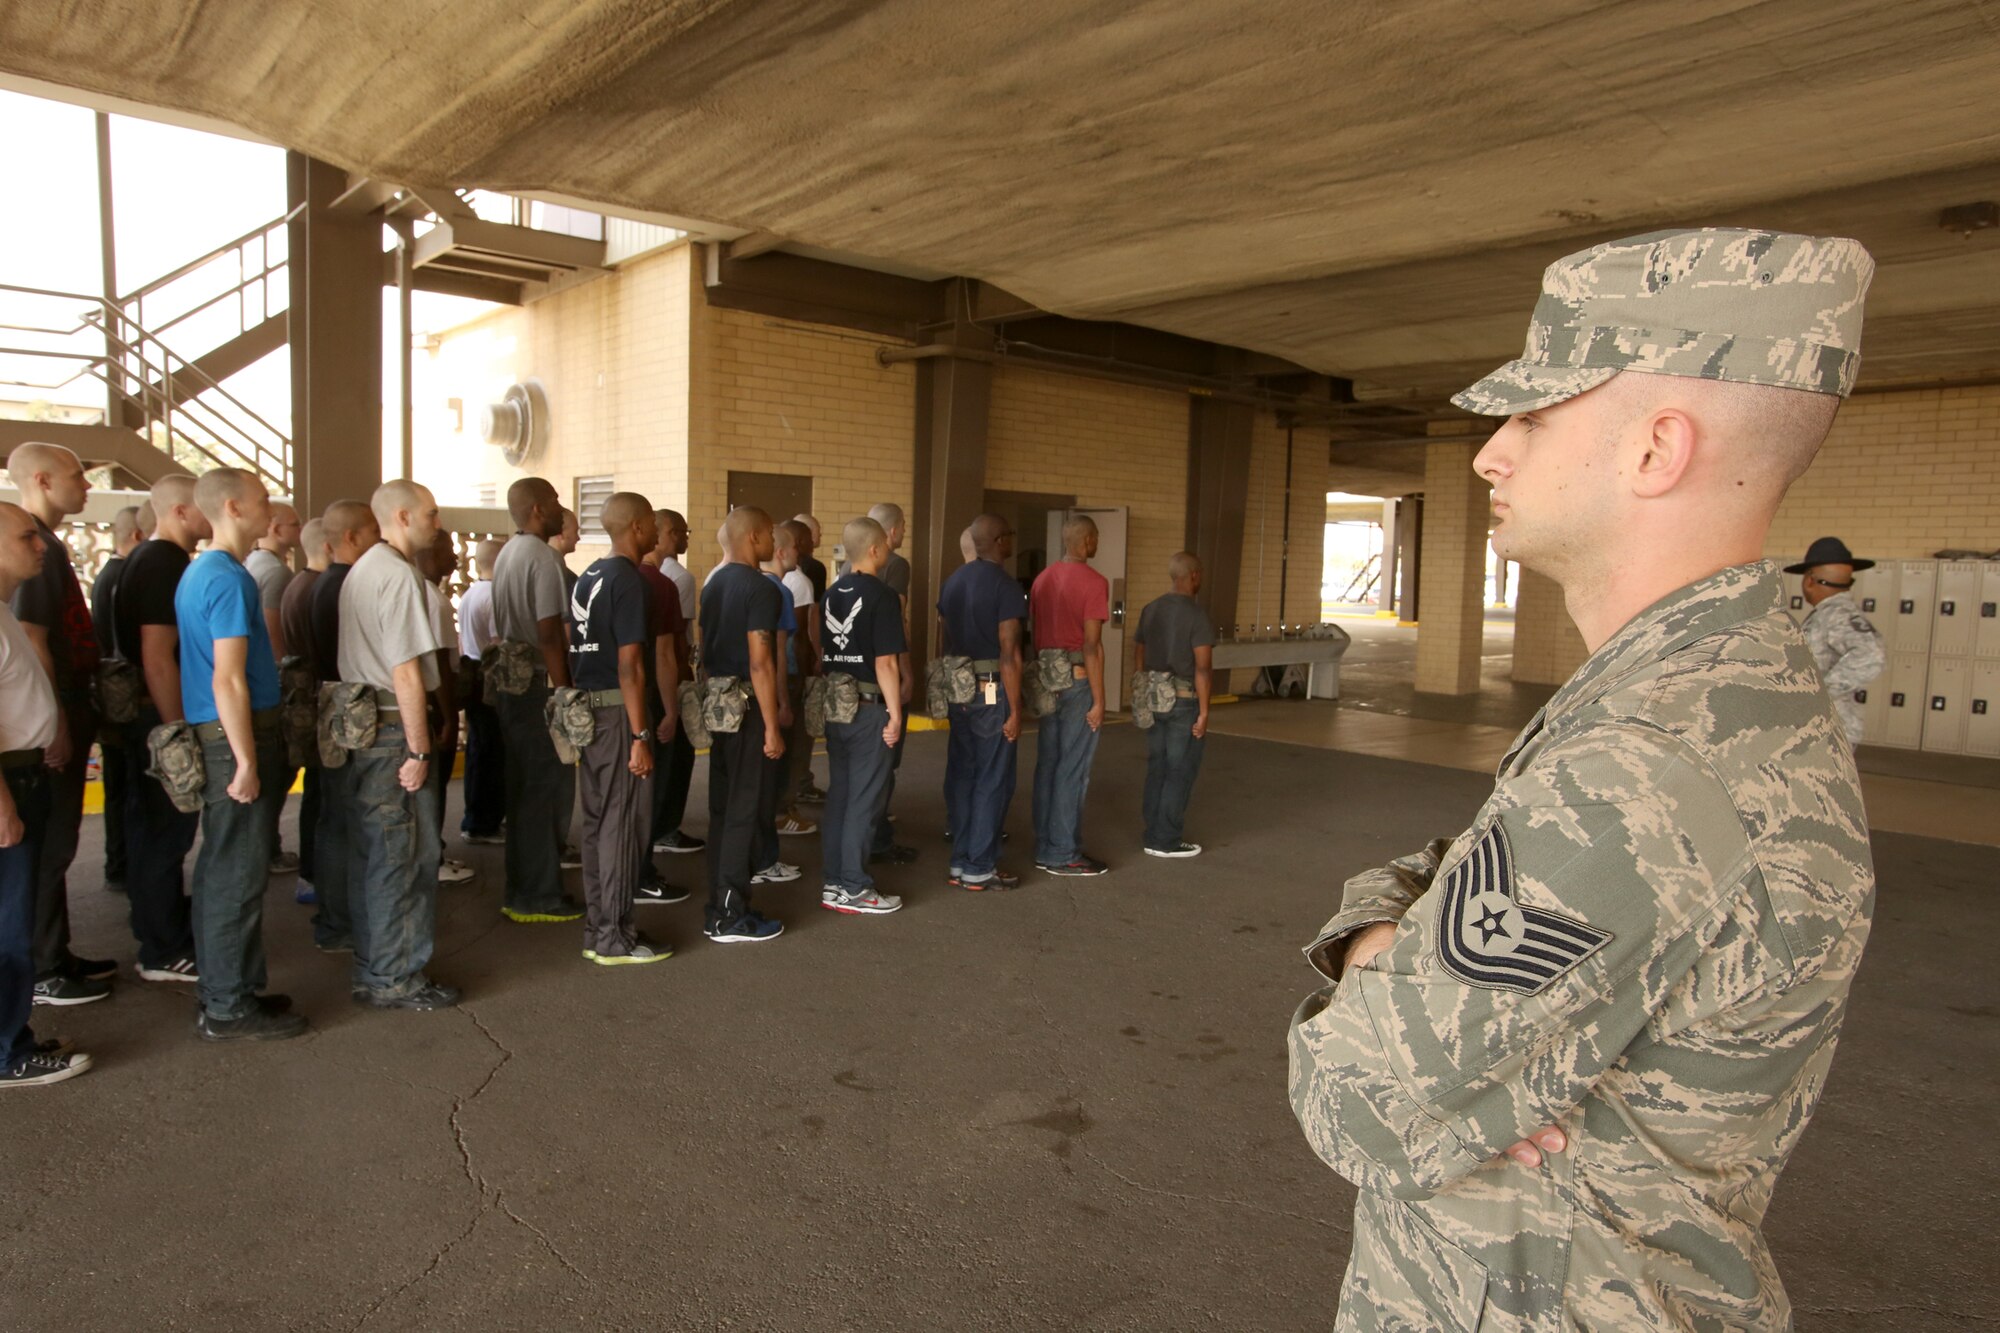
(491, 1197)
(1070, 1087)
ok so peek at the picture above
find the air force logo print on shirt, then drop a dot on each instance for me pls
(1485, 938)
(842, 630)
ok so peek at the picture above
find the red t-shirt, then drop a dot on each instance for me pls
(1065, 595)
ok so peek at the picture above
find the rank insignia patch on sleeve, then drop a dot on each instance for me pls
(1485, 938)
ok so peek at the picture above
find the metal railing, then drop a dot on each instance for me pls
(247, 277)
(55, 340)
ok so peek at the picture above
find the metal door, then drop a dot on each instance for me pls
(1982, 714)
(1944, 704)
(1916, 606)
(1903, 683)
(1986, 639)
(1110, 562)
(1957, 608)
(1875, 593)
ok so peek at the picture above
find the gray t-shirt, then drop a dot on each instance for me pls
(385, 620)
(1172, 627)
(896, 573)
(272, 574)
(528, 588)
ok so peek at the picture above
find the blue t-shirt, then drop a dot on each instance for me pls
(788, 623)
(217, 599)
(974, 602)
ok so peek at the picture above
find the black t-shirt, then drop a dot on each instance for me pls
(53, 599)
(977, 599)
(861, 620)
(102, 590)
(617, 611)
(146, 594)
(815, 571)
(326, 621)
(738, 601)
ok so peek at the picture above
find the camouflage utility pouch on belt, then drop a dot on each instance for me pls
(1153, 695)
(815, 705)
(692, 724)
(121, 687)
(843, 698)
(949, 680)
(723, 705)
(177, 764)
(1054, 673)
(572, 726)
(298, 710)
(508, 667)
(348, 718)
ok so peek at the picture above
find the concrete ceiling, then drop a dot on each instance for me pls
(1369, 189)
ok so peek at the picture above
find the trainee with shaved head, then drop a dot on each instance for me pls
(802, 650)
(270, 563)
(351, 531)
(296, 624)
(114, 761)
(1071, 603)
(980, 613)
(52, 613)
(896, 573)
(675, 773)
(1174, 667)
(485, 743)
(1631, 968)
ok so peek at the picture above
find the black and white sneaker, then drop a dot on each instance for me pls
(39, 1070)
(91, 969)
(58, 989)
(679, 843)
(896, 854)
(572, 859)
(1081, 866)
(1179, 851)
(657, 890)
(174, 969)
(426, 996)
(778, 872)
(746, 929)
(260, 1024)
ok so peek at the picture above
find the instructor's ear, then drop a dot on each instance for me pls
(1667, 449)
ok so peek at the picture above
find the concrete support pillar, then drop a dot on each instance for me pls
(1410, 557)
(1456, 506)
(1217, 492)
(1385, 598)
(336, 341)
(954, 406)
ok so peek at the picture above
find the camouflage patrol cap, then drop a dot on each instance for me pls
(1714, 303)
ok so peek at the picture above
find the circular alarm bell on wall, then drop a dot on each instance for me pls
(518, 423)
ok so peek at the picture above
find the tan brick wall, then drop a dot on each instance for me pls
(778, 396)
(1451, 601)
(1901, 475)
(1106, 444)
(1264, 546)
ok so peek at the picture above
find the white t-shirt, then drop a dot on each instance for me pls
(475, 613)
(683, 582)
(801, 588)
(27, 700)
(443, 622)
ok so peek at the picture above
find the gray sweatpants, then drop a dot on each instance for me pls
(617, 833)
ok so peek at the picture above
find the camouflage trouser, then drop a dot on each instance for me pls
(394, 898)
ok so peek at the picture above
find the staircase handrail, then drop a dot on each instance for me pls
(133, 303)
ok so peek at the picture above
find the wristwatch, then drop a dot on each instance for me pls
(640, 736)
(420, 758)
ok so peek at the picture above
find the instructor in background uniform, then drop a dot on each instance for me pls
(1176, 636)
(1847, 648)
(1569, 1050)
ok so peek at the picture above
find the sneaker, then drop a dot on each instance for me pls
(640, 953)
(343, 945)
(39, 1069)
(999, 882)
(58, 989)
(896, 855)
(453, 872)
(810, 794)
(284, 863)
(746, 929)
(679, 843)
(54, 1046)
(427, 996)
(1082, 865)
(778, 872)
(657, 890)
(567, 909)
(791, 826)
(175, 969)
(1179, 851)
(481, 839)
(866, 902)
(90, 969)
(260, 1024)
(304, 895)
(572, 859)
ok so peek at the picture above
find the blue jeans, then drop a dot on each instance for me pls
(859, 767)
(157, 838)
(29, 786)
(1064, 747)
(395, 895)
(229, 873)
(978, 784)
(1173, 759)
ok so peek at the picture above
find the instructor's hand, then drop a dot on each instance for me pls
(1366, 943)
(1528, 1152)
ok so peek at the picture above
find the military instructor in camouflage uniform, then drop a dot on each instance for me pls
(1847, 649)
(1569, 1051)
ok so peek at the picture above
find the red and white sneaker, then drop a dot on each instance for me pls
(867, 902)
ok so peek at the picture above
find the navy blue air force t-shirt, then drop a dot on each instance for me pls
(738, 600)
(861, 619)
(609, 608)
(975, 601)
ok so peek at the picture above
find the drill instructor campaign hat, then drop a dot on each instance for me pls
(1713, 303)
(1829, 551)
